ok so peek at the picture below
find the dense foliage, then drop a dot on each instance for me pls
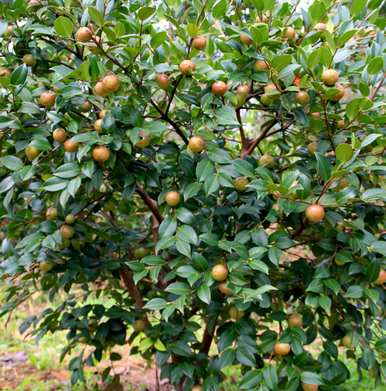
(201, 180)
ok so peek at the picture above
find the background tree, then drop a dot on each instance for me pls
(213, 168)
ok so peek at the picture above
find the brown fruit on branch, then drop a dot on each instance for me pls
(266, 160)
(330, 77)
(341, 124)
(162, 79)
(220, 272)
(315, 213)
(381, 277)
(5, 72)
(187, 67)
(224, 289)
(70, 146)
(111, 83)
(67, 231)
(59, 135)
(196, 144)
(316, 114)
(29, 60)
(310, 387)
(261, 65)
(199, 42)
(219, 88)
(295, 320)
(243, 89)
(144, 140)
(241, 183)
(84, 34)
(98, 125)
(85, 106)
(340, 94)
(47, 98)
(320, 26)
(289, 33)
(99, 89)
(235, 313)
(102, 114)
(51, 213)
(312, 147)
(101, 153)
(281, 349)
(245, 39)
(31, 152)
(197, 388)
(302, 97)
(173, 198)
(346, 341)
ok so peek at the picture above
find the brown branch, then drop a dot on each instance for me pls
(378, 87)
(259, 138)
(207, 338)
(244, 141)
(172, 94)
(151, 204)
(127, 278)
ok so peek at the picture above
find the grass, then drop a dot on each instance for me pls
(43, 371)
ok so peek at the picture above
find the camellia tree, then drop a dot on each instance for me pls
(200, 180)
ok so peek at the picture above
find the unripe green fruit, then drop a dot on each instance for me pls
(241, 183)
(346, 341)
(46, 266)
(235, 313)
(70, 219)
(29, 60)
(266, 160)
(31, 152)
(139, 325)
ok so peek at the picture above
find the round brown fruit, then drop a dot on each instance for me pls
(111, 83)
(312, 147)
(340, 94)
(246, 39)
(343, 183)
(330, 77)
(173, 198)
(139, 325)
(224, 289)
(59, 135)
(8, 31)
(241, 183)
(341, 124)
(162, 79)
(266, 160)
(98, 125)
(289, 33)
(316, 114)
(302, 98)
(29, 60)
(295, 320)
(310, 387)
(199, 42)
(31, 152)
(47, 98)
(243, 89)
(281, 349)
(346, 341)
(235, 313)
(297, 80)
(101, 153)
(51, 213)
(5, 72)
(70, 219)
(220, 272)
(187, 67)
(196, 144)
(261, 65)
(67, 231)
(33, 3)
(197, 388)
(99, 89)
(320, 27)
(70, 146)
(144, 140)
(84, 34)
(315, 213)
(102, 114)
(85, 106)
(381, 277)
(270, 88)
(219, 88)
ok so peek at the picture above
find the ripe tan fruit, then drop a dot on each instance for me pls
(139, 325)
(243, 89)
(102, 114)
(320, 26)
(101, 153)
(341, 124)
(59, 135)
(295, 320)
(289, 33)
(162, 79)
(51, 213)
(266, 160)
(315, 213)
(5, 72)
(224, 289)
(281, 349)
(111, 83)
(29, 60)
(196, 144)
(84, 34)
(381, 277)
(245, 39)
(31, 152)
(47, 98)
(197, 388)
(67, 231)
(85, 106)
(33, 3)
(235, 313)
(219, 272)
(70, 146)
(312, 147)
(302, 97)
(99, 89)
(173, 198)
(98, 125)
(310, 387)
(270, 88)
(346, 341)
(187, 67)
(199, 42)
(330, 77)
(343, 183)
(144, 140)
(219, 88)
(261, 65)
(8, 31)
(241, 183)
(340, 94)
(316, 114)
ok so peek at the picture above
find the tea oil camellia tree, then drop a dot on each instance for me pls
(201, 181)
